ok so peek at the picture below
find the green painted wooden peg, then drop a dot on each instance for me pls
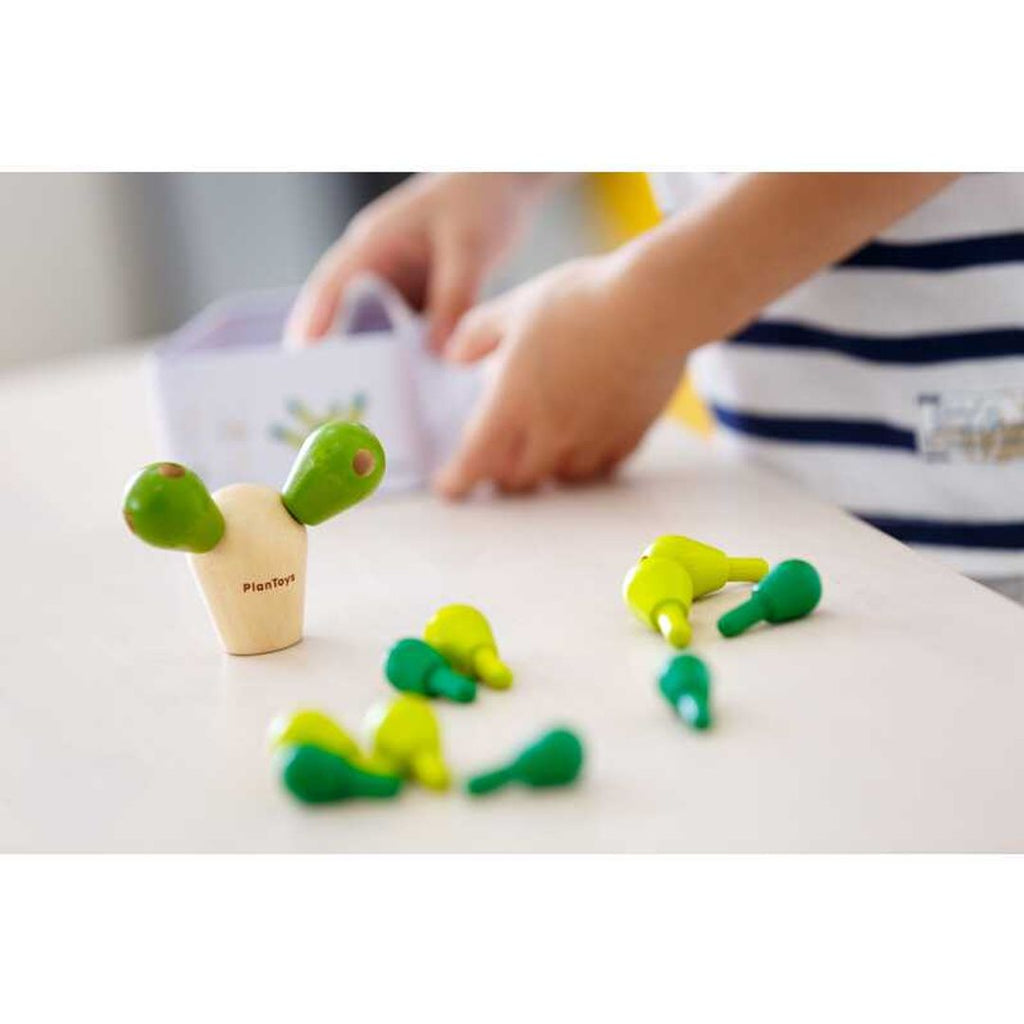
(659, 592)
(790, 591)
(168, 506)
(709, 568)
(463, 636)
(406, 740)
(317, 776)
(686, 684)
(414, 666)
(555, 759)
(337, 466)
(310, 727)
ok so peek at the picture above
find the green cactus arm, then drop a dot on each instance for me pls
(338, 465)
(167, 505)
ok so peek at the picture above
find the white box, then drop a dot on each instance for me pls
(233, 404)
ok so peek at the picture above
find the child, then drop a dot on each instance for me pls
(875, 326)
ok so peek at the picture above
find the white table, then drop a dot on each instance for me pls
(892, 719)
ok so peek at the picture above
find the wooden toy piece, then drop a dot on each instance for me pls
(405, 739)
(312, 728)
(247, 553)
(247, 543)
(686, 685)
(790, 591)
(555, 759)
(464, 639)
(659, 592)
(254, 581)
(337, 466)
(168, 506)
(414, 666)
(316, 776)
(709, 568)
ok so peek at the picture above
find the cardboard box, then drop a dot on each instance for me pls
(234, 405)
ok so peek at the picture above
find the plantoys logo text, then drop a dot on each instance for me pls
(274, 583)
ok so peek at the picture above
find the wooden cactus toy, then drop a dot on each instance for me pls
(405, 739)
(659, 592)
(709, 568)
(555, 759)
(464, 639)
(790, 591)
(686, 685)
(247, 543)
(316, 776)
(414, 666)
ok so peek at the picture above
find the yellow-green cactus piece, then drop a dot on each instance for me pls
(310, 727)
(405, 738)
(659, 592)
(709, 568)
(463, 637)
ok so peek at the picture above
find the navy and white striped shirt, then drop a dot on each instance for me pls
(893, 383)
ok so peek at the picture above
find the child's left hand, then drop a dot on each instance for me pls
(578, 382)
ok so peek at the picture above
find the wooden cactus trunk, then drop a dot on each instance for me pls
(254, 581)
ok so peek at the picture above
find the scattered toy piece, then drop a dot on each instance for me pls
(463, 637)
(414, 666)
(555, 759)
(168, 506)
(686, 685)
(311, 728)
(709, 568)
(659, 592)
(247, 542)
(337, 466)
(790, 591)
(406, 740)
(317, 776)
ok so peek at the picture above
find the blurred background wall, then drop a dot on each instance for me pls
(92, 260)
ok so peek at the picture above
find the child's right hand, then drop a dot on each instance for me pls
(434, 238)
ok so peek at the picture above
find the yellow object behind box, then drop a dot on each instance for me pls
(627, 205)
(628, 209)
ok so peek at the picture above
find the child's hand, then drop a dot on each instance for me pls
(592, 350)
(434, 237)
(577, 387)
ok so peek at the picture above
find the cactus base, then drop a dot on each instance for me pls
(254, 581)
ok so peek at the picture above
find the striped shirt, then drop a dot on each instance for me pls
(892, 383)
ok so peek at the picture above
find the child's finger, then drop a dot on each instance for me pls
(317, 305)
(487, 439)
(503, 468)
(455, 283)
(582, 466)
(479, 333)
(579, 467)
(534, 463)
(626, 446)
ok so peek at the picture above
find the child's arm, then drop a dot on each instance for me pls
(757, 240)
(593, 349)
